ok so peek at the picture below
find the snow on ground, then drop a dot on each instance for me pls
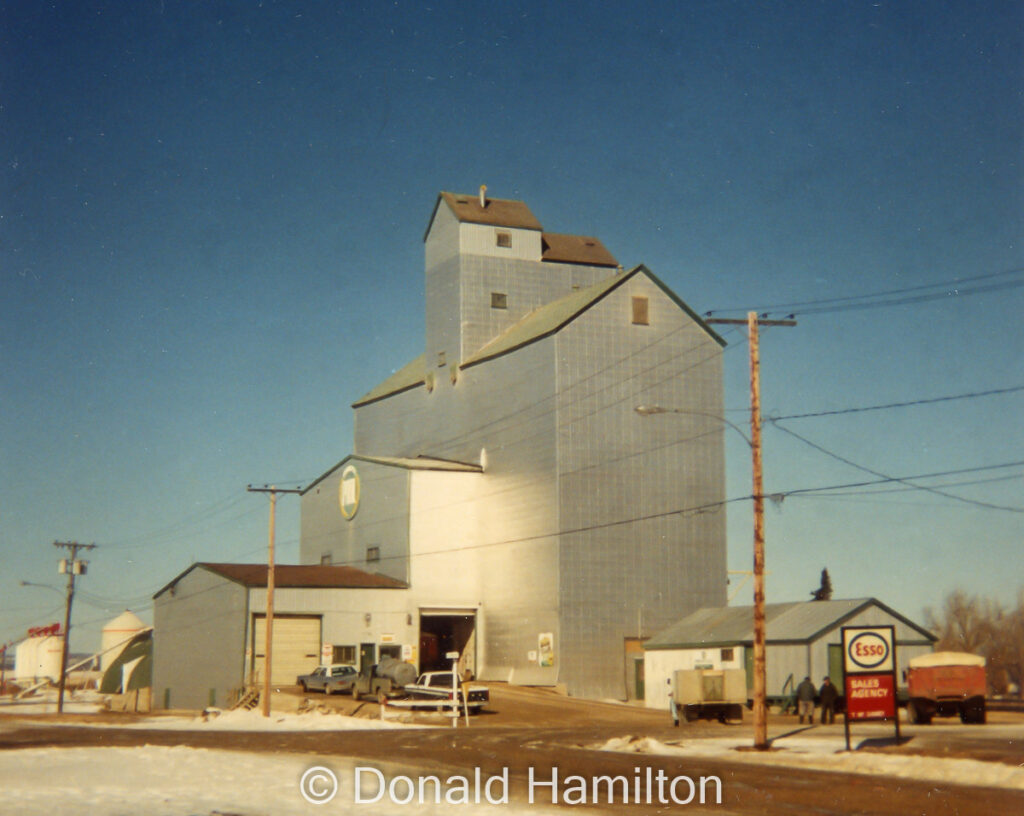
(216, 720)
(45, 702)
(828, 753)
(182, 781)
(242, 720)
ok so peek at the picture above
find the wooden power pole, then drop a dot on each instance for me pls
(72, 566)
(760, 689)
(760, 675)
(265, 695)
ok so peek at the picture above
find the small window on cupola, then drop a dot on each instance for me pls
(499, 300)
(504, 239)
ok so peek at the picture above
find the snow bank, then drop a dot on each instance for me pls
(45, 702)
(181, 781)
(242, 720)
(829, 754)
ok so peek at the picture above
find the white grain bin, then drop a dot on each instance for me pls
(49, 652)
(117, 633)
(25, 660)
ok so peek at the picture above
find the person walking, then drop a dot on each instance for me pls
(828, 696)
(805, 700)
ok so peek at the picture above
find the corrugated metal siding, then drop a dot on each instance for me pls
(481, 239)
(382, 521)
(442, 242)
(528, 285)
(199, 641)
(615, 465)
(506, 406)
(443, 298)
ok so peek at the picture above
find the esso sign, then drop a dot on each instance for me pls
(868, 650)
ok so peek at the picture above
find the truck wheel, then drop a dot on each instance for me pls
(355, 694)
(911, 712)
(382, 697)
(304, 689)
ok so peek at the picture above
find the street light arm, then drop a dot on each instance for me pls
(649, 410)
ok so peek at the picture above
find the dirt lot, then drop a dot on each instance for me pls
(527, 728)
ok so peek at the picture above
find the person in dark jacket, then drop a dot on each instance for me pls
(828, 696)
(805, 700)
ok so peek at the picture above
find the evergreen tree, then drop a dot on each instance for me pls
(824, 592)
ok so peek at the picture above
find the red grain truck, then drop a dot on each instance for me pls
(946, 683)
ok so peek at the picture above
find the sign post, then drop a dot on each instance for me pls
(869, 675)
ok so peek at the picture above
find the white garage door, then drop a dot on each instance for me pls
(295, 651)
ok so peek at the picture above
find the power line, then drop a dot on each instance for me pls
(873, 472)
(891, 490)
(909, 403)
(907, 481)
(878, 299)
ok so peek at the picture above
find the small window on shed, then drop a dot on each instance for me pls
(325, 560)
(727, 655)
(373, 553)
(504, 239)
(640, 311)
(499, 300)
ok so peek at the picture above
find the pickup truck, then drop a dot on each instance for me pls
(382, 680)
(328, 679)
(436, 687)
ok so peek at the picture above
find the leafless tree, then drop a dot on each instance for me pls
(984, 627)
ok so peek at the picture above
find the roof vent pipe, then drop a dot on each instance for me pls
(483, 196)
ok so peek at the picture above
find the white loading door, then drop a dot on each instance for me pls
(295, 650)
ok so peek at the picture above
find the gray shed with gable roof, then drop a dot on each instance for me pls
(803, 640)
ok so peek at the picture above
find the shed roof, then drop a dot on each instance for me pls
(576, 249)
(408, 463)
(409, 376)
(498, 212)
(551, 317)
(311, 576)
(798, 621)
(538, 324)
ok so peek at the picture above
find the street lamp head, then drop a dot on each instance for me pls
(647, 410)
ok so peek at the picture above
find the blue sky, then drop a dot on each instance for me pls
(211, 219)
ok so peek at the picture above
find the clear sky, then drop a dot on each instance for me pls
(211, 222)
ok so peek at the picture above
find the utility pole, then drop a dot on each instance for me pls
(760, 675)
(72, 566)
(265, 696)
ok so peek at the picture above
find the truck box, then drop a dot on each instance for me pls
(947, 684)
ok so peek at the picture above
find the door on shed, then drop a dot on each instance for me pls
(295, 650)
(835, 664)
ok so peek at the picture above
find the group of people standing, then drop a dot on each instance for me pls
(805, 694)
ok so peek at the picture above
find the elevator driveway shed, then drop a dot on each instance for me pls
(210, 621)
(803, 639)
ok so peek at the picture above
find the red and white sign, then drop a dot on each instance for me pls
(870, 696)
(868, 650)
